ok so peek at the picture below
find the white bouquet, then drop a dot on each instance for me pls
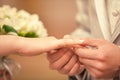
(21, 23)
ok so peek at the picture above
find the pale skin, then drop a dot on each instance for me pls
(102, 61)
(31, 46)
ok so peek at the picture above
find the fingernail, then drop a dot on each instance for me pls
(66, 37)
(82, 41)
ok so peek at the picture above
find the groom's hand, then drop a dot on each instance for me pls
(64, 61)
(101, 58)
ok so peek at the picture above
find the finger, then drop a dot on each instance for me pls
(93, 72)
(61, 43)
(91, 63)
(98, 74)
(98, 69)
(87, 53)
(69, 65)
(75, 70)
(53, 56)
(62, 61)
(92, 42)
(96, 64)
(69, 42)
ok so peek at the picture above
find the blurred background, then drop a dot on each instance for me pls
(58, 16)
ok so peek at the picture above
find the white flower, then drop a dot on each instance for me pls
(22, 21)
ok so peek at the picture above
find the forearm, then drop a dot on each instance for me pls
(30, 46)
(10, 44)
(36, 46)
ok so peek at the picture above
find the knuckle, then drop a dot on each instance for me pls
(101, 66)
(102, 56)
(76, 71)
(66, 68)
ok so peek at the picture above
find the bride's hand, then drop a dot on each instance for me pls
(35, 46)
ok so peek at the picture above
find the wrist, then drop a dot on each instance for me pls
(18, 44)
